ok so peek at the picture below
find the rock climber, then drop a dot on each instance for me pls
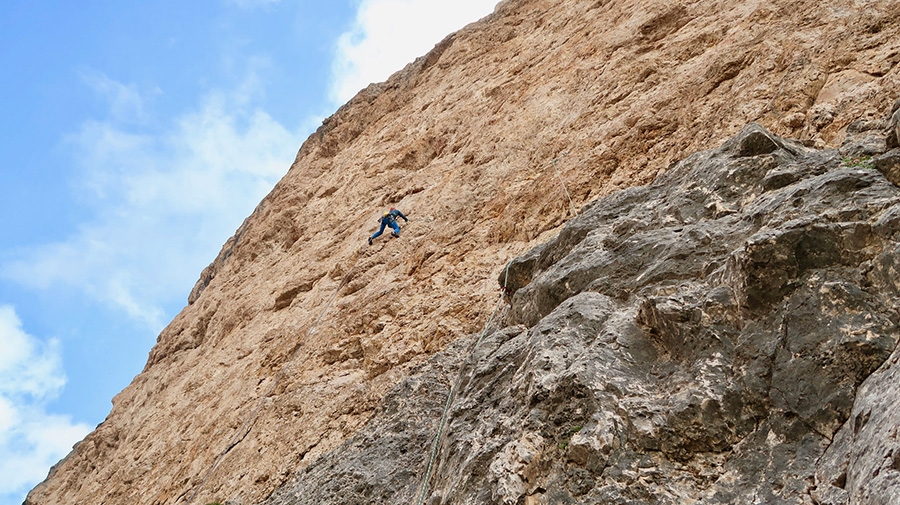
(389, 219)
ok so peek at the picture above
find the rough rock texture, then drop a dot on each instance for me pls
(697, 340)
(464, 139)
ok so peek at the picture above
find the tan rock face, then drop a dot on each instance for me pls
(463, 141)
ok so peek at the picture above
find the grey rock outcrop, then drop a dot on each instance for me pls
(709, 338)
(893, 135)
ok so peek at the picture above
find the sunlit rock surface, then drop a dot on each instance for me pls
(701, 339)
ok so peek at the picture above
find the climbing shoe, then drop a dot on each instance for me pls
(395, 234)
(370, 240)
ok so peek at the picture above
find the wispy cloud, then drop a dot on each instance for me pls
(126, 104)
(162, 203)
(388, 34)
(31, 440)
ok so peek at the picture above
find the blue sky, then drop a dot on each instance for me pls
(134, 139)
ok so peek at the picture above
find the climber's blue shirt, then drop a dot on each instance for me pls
(389, 218)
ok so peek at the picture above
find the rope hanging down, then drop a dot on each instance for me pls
(452, 394)
(455, 386)
(571, 203)
(245, 428)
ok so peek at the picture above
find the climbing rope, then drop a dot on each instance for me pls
(561, 181)
(245, 428)
(452, 394)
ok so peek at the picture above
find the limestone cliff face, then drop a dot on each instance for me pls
(698, 340)
(468, 141)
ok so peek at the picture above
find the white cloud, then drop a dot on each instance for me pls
(125, 101)
(388, 34)
(163, 204)
(31, 440)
